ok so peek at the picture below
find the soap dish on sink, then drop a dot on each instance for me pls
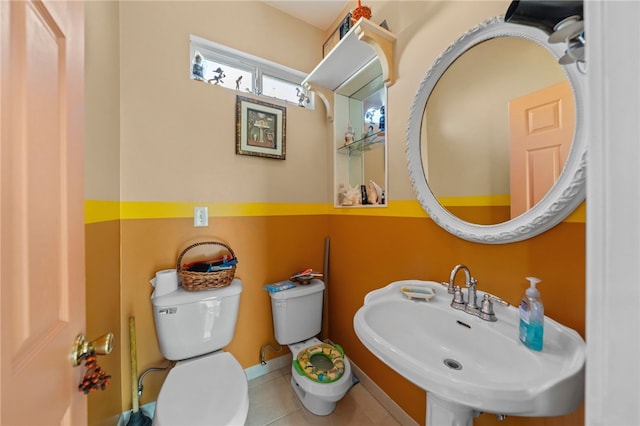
(417, 292)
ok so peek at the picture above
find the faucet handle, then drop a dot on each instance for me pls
(486, 305)
(496, 299)
(446, 285)
(486, 309)
(458, 299)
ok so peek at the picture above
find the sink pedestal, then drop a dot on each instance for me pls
(441, 412)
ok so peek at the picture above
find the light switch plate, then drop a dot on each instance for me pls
(200, 216)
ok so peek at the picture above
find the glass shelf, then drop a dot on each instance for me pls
(362, 144)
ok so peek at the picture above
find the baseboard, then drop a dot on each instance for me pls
(271, 365)
(389, 404)
(284, 360)
(251, 372)
(376, 391)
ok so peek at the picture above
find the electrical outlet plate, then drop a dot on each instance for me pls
(200, 216)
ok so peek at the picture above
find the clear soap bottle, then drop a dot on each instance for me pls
(532, 317)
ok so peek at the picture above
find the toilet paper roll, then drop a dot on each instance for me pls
(165, 281)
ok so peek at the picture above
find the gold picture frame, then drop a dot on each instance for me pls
(260, 128)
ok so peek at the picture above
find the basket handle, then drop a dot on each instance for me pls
(179, 265)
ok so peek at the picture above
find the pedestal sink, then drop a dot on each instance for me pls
(468, 365)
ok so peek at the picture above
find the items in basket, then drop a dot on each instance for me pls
(220, 264)
(305, 277)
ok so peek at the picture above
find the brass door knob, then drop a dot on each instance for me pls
(81, 347)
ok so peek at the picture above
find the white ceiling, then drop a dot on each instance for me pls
(319, 13)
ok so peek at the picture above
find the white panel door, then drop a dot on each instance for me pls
(541, 129)
(41, 211)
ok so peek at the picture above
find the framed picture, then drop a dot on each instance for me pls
(337, 35)
(260, 128)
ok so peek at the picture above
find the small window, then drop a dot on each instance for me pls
(222, 74)
(222, 66)
(285, 90)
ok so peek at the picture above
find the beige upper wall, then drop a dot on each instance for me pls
(178, 135)
(467, 141)
(424, 29)
(102, 100)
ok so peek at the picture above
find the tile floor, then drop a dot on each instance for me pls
(273, 402)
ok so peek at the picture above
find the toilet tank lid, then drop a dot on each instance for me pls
(182, 296)
(315, 286)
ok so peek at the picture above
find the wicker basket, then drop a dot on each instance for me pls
(194, 281)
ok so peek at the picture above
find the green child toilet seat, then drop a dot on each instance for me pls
(305, 367)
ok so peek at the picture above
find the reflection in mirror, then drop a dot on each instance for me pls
(466, 143)
(454, 135)
(360, 159)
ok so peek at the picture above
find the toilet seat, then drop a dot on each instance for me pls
(211, 389)
(334, 354)
(332, 391)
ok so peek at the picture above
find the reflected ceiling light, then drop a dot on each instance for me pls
(561, 19)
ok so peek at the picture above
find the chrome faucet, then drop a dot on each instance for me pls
(472, 299)
(483, 311)
(451, 289)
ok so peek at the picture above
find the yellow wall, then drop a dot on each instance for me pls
(269, 249)
(162, 144)
(370, 252)
(367, 252)
(103, 314)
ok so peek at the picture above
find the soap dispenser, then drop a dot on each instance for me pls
(532, 317)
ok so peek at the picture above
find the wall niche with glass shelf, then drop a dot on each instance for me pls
(362, 144)
(360, 159)
(352, 82)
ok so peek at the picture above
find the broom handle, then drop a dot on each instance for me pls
(134, 364)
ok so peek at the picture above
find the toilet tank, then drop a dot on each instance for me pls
(192, 323)
(297, 312)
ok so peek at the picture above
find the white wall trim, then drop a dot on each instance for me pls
(284, 360)
(389, 404)
(613, 208)
(272, 365)
(376, 391)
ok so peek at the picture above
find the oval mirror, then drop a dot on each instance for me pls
(495, 141)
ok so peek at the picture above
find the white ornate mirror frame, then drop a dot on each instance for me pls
(568, 191)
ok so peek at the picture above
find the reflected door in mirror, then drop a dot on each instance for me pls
(466, 135)
(541, 130)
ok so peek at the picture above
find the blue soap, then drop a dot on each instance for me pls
(276, 287)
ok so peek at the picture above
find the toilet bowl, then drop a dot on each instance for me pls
(207, 386)
(297, 319)
(208, 390)
(318, 397)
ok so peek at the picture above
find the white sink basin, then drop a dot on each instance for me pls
(468, 364)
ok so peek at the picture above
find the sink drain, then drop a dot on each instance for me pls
(452, 364)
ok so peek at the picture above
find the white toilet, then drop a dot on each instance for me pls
(207, 386)
(297, 318)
